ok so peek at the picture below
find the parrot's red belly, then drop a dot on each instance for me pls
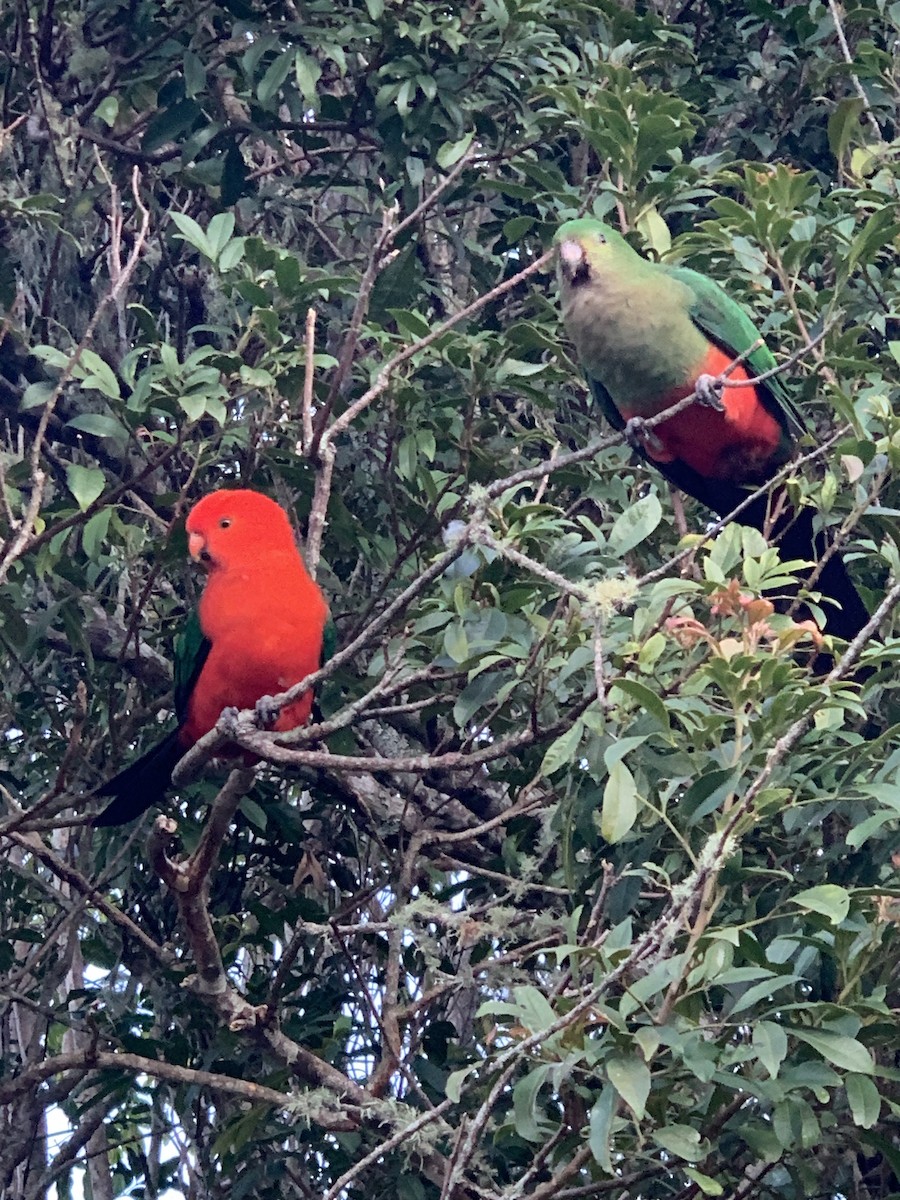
(217, 689)
(737, 444)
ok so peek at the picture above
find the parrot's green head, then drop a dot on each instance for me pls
(588, 250)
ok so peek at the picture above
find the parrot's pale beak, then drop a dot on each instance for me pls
(197, 547)
(573, 261)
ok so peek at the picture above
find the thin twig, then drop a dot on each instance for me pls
(383, 378)
(21, 538)
(382, 253)
(848, 58)
(385, 1147)
(306, 414)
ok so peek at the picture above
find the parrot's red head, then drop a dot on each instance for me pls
(231, 529)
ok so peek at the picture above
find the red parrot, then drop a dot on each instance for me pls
(648, 335)
(259, 629)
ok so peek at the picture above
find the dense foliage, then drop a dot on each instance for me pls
(582, 883)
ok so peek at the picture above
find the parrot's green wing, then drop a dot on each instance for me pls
(607, 407)
(146, 780)
(191, 652)
(329, 641)
(728, 325)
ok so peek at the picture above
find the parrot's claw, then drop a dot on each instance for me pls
(642, 439)
(267, 711)
(228, 721)
(708, 390)
(635, 433)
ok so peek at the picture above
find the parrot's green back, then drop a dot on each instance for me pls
(729, 326)
(144, 782)
(191, 651)
(329, 641)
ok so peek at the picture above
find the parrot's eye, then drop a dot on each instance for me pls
(225, 523)
(601, 239)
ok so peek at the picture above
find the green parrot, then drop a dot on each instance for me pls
(648, 335)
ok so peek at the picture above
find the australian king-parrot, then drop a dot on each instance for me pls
(257, 631)
(648, 335)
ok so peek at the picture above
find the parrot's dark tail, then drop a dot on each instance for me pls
(140, 785)
(845, 613)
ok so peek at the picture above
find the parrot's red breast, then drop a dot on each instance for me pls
(736, 444)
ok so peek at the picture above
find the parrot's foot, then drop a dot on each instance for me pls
(228, 721)
(708, 390)
(642, 439)
(267, 711)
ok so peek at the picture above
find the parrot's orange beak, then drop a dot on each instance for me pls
(197, 547)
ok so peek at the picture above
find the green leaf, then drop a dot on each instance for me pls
(456, 643)
(762, 991)
(879, 229)
(410, 322)
(708, 793)
(255, 814)
(231, 255)
(680, 1140)
(108, 110)
(631, 1079)
(620, 804)
(516, 228)
(276, 74)
(622, 747)
(256, 377)
(844, 1052)
(535, 1010)
(864, 1100)
(52, 356)
(36, 395)
(194, 73)
(843, 125)
(170, 124)
(456, 1079)
(514, 366)
(85, 484)
(99, 375)
(190, 231)
(94, 533)
(655, 231)
(829, 899)
(405, 96)
(562, 751)
(98, 425)
(645, 697)
(601, 1121)
(865, 829)
(707, 1185)
(451, 152)
(771, 1045)
(307, 72)
(647, 1037)
(192, 406)
(219, 231)
(863, 159)
(525, 1104)
(635, 524)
